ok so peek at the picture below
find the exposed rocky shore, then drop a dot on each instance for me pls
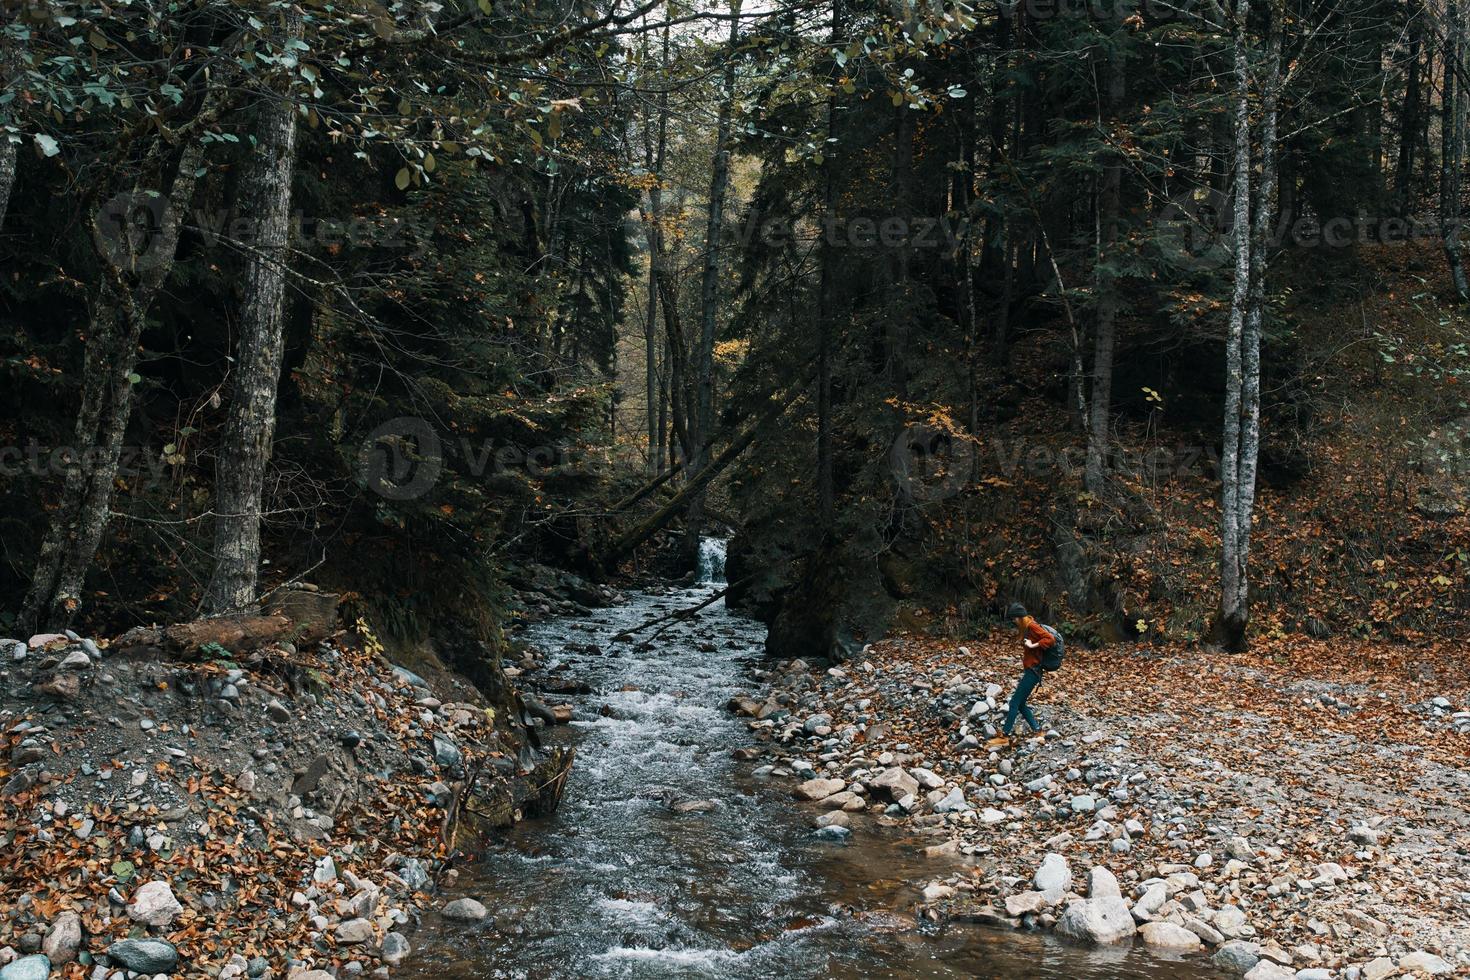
(280, 809)
(1275, 823)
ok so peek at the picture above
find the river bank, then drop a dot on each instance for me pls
(1301, 819)
(281, 808)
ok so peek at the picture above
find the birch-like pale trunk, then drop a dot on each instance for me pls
(7, 147)
(1233, 612)
(7, 174)
(117, 321)
(249, 433)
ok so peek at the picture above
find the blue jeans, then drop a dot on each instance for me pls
(1030, 677)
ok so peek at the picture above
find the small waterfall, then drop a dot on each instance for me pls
(711, 561)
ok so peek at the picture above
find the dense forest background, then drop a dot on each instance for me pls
(1147, 315)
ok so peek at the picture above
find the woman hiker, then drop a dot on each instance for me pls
(1038, 641)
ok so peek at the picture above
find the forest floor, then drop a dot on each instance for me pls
(1305, 803)
(284, 812)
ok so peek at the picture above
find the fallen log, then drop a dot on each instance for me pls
(295, 616)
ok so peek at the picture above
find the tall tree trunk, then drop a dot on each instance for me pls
(1452, 144)
(249, 434)
(117, 322)
(1250, 431)
(1409, 119)
(1253, 216)
(1109, 207)
(1233, 613)
(827, 300)
(709, 293)
(7, 147)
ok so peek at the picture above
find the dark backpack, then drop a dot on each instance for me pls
(1052, 656)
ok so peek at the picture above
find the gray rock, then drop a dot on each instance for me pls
(278, 712)
(154, 904)
(1425, 962)
(395, 948)
(1084, 803)
(819, 789)
(1314, 973)
(414, 874)
(1231, 922)
(815, 722)
(1240, 849)
(1025, 903)
(1266, 970)
(1098, 921)
(76, 660)
(1237, 956)
(465, 910)
(408, 676)
(953, 802)
(1102, 883)
(894, 782)
(1166, 935)
(64, 938)
(1054, 873)
(832, 832)
(446, 753)
(355, 931)
(144, 955)
(36, 967)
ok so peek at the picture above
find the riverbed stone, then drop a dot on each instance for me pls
(148, 956)
(154, 904)
(64, 938)
(395, 948)
(1237, 956)
(1097, 921)
(819, 788)
(1054, 873)
(1166, 935)
(894, 782)
(36, 967)
(465, 910)
(1424, 962)
(1266, 970)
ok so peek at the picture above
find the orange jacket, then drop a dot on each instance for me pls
(1036, 639)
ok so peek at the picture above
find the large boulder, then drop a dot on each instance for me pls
(1097, 921)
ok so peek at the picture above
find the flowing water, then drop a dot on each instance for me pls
(619, 883)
